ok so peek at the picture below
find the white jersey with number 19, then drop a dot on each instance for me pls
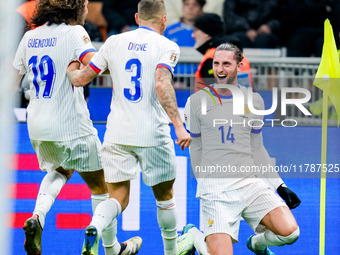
(57, 111)
(137, 117)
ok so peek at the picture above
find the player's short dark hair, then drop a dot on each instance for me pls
(231, 47)
(58, 11)
(150, 9)
(200, 2)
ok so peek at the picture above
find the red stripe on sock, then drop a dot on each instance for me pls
(72, 220)
(75, 192)
(24, 190)
(167, 207)
(17, 220)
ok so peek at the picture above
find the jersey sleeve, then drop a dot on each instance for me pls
(82, 42)
(99, 61)
(259, 105)
(191, 118)
(19, 59)
(169, 56)
(187, 114)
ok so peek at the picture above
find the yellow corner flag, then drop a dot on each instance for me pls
(327, 78)
(329, 67)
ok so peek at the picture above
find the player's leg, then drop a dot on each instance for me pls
(86, 158)
(50, 155)
(199, 239)
(219, 244)
(96, 182)
(119, 168)
(220, 212)
(158, 166)
(282, 229)
(166, 215)
(269, 210)
(104, 221)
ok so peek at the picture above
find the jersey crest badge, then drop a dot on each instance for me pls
(173, 57)
(86, 39)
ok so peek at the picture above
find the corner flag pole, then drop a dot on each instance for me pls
(323, 173)
(327, 78)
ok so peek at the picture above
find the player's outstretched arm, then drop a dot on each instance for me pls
(261, 158)
(167, 97)
(78, 77)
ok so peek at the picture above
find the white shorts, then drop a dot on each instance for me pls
(222, 212)
(81, 154)
(158, 163)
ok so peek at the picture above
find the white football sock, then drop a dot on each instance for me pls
(110, 243)
(49, 189)
(111, 246)
(105, 213)
(97, 199)
(268, 238)
(199, 243)
(167, 221)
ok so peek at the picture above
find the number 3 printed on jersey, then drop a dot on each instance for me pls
(131, 65)
(47, 74)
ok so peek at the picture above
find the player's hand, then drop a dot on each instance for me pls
(74, 65)
(292, 200)
(183, 138)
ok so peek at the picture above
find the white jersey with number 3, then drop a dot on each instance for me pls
(57, 111)
(137, 117)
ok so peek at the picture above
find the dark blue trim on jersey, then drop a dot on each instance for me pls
(223, 97)
(194, 135)
(82, 55)
(167, 66)
(147, 28)
(256, 131)
(94, 67)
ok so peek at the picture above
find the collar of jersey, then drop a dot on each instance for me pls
(147, 28)
(224, 97)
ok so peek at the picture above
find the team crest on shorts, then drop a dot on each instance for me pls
(86, 39)
(210, 222)
(173, 57)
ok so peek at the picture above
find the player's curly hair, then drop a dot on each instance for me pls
(58, 11)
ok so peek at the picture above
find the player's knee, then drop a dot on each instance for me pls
(288, 229)
(290, 239)
(67, 173)
(97, 188)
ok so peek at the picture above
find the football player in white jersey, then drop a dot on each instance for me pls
(58, 119)
(223, 145)
(141, 64)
